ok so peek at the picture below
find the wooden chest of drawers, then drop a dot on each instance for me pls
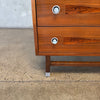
(68, 28)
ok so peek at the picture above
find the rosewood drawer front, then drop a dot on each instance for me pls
(83, 41)
(71, 13)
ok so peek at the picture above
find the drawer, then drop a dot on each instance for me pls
(75, 41)
(70, 13)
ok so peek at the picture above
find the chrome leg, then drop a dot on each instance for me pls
(47, 74)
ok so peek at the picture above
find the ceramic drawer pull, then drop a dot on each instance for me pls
(54, 40)
(56, 9)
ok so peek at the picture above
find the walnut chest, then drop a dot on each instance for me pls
(66, 28)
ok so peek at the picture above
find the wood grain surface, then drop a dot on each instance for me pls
(72, 13)
(76, 9)
(80, 41)
(87, 2)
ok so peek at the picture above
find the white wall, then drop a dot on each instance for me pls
(15, 14)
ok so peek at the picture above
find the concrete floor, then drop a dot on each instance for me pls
(22, 73)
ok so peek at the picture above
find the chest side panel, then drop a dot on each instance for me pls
(34, 15)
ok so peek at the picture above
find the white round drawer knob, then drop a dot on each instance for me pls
(54, 40)
(56, 9)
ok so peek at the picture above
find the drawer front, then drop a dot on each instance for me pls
(80, 41)
(71, 13)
